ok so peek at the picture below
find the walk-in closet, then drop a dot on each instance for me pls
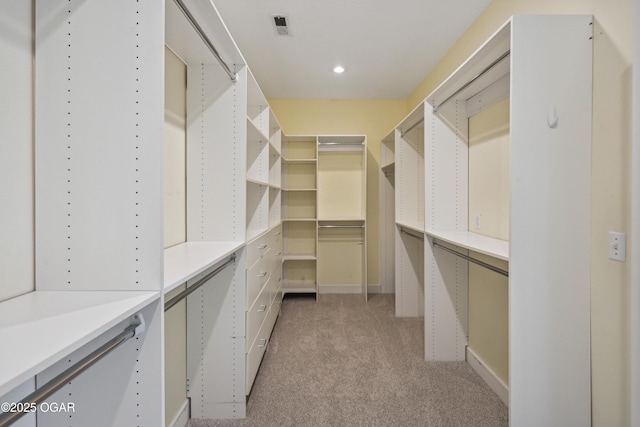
(279, 213)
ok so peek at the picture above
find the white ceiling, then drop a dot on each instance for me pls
(387, 47)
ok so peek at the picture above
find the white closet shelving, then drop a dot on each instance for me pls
(299, 213)
(409, 176)
(98, 253)
(543, 65)
(387, 212)
(341, 209)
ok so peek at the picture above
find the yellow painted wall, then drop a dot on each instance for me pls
(175, 227)
(374, 118)
(611, 171)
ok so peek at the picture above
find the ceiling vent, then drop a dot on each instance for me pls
(281, 25)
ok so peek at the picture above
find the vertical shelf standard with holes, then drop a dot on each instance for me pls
(387, 212)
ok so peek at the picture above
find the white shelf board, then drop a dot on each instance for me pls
(257, 182)
(298, 220)
(299, 189)
(186, 260)
(388, 166)
(476, 242)
(342, 219)
(40, 328)
(411, 226)
(308, 257)
(299, 160)
(254, 134)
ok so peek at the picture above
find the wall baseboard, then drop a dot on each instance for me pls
(495, 383)
(182, 417)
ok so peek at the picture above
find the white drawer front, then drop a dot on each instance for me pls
(254, 356)
(257, 313)
(257, 276)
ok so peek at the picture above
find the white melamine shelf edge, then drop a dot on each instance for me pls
(388, 166)
(298, 220)
(253, 233)
(40, 328)
(259, 135)
(475, 242)
(309, 257)
(186, 260)
(296, 289)
(414, 227)
(354, 219)
(299, 160)
(275, 186)
(299, 189)
(276, 149)
(257, 182)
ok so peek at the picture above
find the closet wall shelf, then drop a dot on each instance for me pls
(343, 219)
(298, 220)
(475, 242)
(308, 257)
(419, 228)
(254, 134)
(185, 261)
(257, 182)
(42, 327)
(299, 160)
(299, 189)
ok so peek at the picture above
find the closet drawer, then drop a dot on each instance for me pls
(257, 249)
(257, 313)
(254, 356)
(257, 276)
(275, 238)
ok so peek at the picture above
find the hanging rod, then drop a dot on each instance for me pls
(185, 11)
(473, 260)
(412, 235)
(182, 295)
(341, 226)
(341, 143)
(402, 134)
(38, 396)
(473, 80)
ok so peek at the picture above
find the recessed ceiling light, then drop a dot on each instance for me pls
(338, 69)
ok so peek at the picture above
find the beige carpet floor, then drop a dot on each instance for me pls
(342, 361)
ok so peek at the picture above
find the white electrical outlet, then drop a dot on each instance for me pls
(617, 246)
(478, 218)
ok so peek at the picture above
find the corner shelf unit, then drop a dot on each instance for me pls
(299, 214)
(543, 66)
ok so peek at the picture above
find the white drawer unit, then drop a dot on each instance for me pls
(257, 312)
(263, 296)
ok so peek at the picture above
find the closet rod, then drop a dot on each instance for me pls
(185, 11)
(38, 396)
(182, 295)
(473, 260)
(341, 226)
(472, 81)
(402, 134)
(412, 235)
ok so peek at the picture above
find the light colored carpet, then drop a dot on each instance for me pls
(346, 362)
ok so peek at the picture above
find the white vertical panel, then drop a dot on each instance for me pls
(216, 154)
(446, 200)
(99, 115)
(216, 344)
(17, 395)
(446, 305)
(635, 226)
(124, 388)
(16, 153)
(549, 295)
(387, 199)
